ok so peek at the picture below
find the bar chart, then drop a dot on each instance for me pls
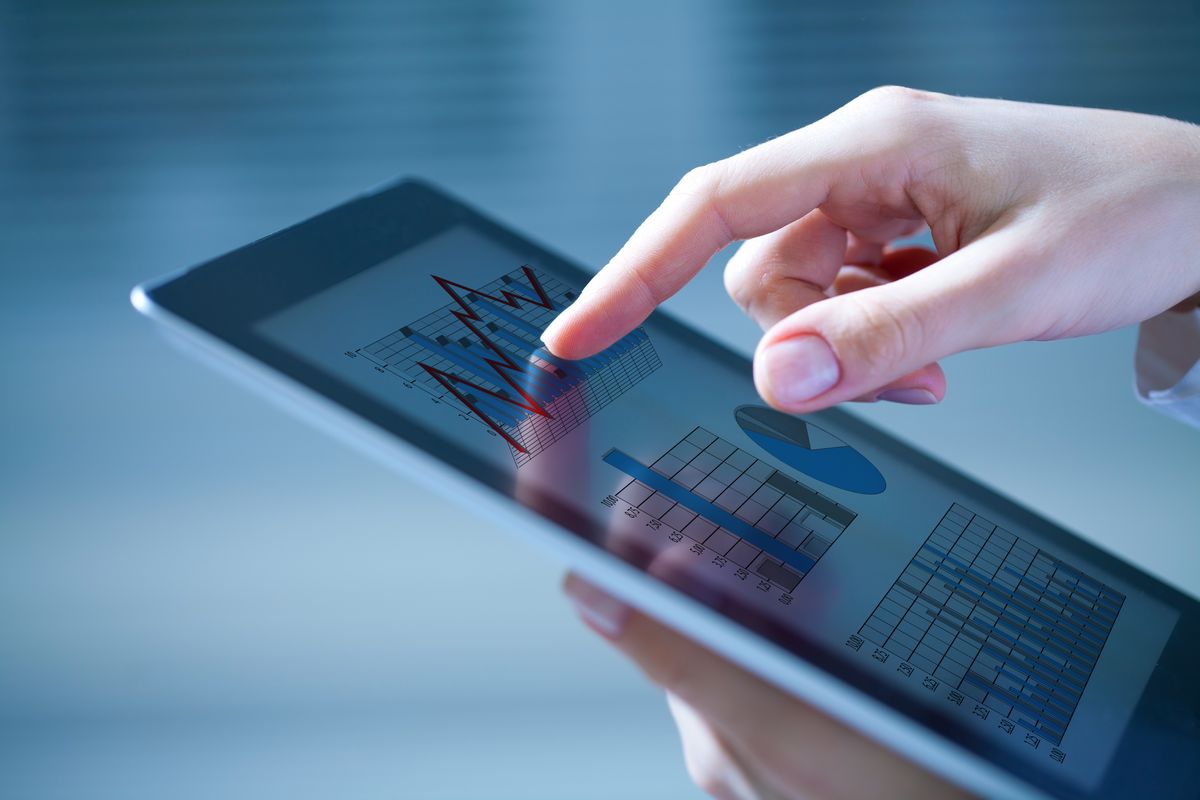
(481, 352)
(1007, 624)
(735, 505)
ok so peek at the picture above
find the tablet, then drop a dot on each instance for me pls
(916, 605)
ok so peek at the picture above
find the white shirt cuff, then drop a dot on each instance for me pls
(1167, 364)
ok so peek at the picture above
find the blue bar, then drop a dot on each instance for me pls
(569, 376)
(1079, 576)
(1075, 588)
(630, 341)
(1045, 698)
(483, 371)
(1033, 671)
(584, 366)
(1103, 612)
(463, 360)
(509, 317)
(541, 384)
(1033, 657)
(1040, 673)
(1101, 591)
(499, 410)
(620, 347)
(538, 381)
(1002, 616)
(1040, 732)
(515, 338)
(462, 357)
(1069, 603)
(522, 345)
(1071, 683)
(714, 514)
(571, 369)
(606, 356)
(1028, 669)
(989, 586)
(530, 349)
(1008, 698)
(1068, 613)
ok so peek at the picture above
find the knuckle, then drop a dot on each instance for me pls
(643, 289)
(698, 182)
(895, 97)
(908, 115)
(704, 184)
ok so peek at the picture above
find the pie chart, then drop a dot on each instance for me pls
(814, 451)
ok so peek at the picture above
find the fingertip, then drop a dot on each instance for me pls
(567, 336)
(552, 336)
(583, 331)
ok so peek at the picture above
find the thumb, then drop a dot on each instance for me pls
(855, 344)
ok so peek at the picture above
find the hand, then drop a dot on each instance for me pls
(743, 738)
(1049, 222)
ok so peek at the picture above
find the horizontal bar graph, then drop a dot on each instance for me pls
(1007, 624)
(736, 505)
(482, 353)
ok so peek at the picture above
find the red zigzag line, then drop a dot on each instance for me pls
(503, 366)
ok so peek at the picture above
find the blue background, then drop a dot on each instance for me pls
(200, 596)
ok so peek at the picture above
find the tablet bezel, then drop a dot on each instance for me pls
(218, 303)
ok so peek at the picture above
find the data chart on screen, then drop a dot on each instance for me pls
(1006, 623)
(481, 352)
(737, 506)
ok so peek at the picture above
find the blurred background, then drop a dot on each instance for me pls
(201, 597)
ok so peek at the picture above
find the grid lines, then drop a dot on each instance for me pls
(534, 399)
(777, 507)
(1004, 622)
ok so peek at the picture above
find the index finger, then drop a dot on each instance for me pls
(747, 195)
(853, 161)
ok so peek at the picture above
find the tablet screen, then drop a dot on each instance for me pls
(923, 592)
(857, 553)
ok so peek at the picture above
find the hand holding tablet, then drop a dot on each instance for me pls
(820, 208)
(817, 560)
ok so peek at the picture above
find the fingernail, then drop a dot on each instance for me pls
(799, 369)
(913, 397)
(601, 611)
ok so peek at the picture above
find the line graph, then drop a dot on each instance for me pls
(482, 354)
(1007, 624)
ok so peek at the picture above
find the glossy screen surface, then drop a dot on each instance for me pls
(924, 593)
